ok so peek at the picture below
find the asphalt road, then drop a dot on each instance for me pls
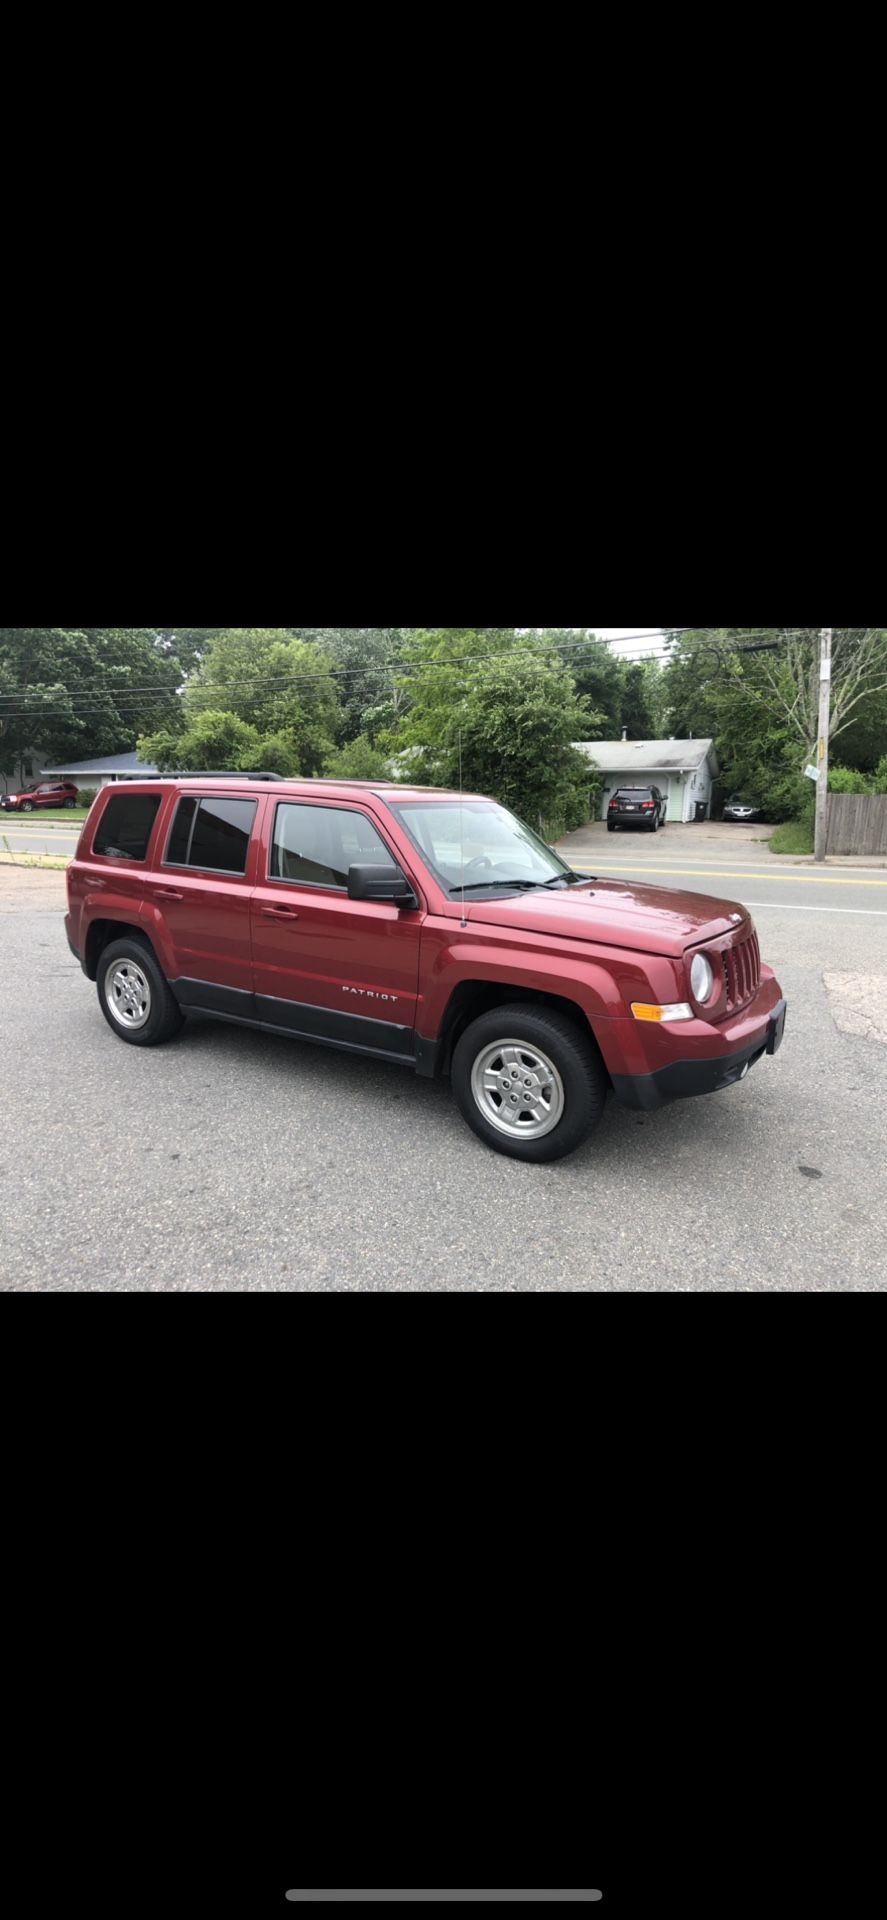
(230, 1161)
(60, 840)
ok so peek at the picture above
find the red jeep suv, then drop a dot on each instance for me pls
(429, 928)
(50, 793)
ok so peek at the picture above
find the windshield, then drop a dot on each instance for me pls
(482, 845)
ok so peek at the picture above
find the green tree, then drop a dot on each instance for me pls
(624, 693)
(637, 711)
(365, 660)
(599, 675)
(281, 686)
(756, 690)
(217, 741)
(69, 692)
(510, 708)
(187, 645)
(358, 760)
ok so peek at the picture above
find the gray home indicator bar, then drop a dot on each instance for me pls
(447, 1894)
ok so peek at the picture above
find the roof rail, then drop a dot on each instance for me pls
(232, 773)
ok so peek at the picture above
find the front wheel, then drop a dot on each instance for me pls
(530, 1083)
(135, 996)
(27, 806)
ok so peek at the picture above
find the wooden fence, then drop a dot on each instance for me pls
(857, 823)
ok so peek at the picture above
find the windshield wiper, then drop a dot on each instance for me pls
(517, 886)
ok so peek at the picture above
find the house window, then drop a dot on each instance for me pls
(29, 769)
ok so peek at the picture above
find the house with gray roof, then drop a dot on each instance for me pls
(103, 771)
(685, 770)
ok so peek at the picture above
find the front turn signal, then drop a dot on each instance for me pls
(681, 1011)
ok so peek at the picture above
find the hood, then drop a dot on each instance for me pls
(616, 913)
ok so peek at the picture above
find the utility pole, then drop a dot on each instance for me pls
(825, 706)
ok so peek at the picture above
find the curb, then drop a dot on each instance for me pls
(25, 823)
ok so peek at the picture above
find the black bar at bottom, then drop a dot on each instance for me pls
(450, 1895)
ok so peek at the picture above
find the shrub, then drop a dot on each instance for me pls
(359, 760)
(879, 777)
(86, 796)
(848, 780)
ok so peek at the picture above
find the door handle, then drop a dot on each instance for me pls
(280, 913)
(167, 893)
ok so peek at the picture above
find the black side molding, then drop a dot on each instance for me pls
(348, 1032)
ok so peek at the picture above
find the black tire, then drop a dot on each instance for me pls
(572, 1053)
(610, 827)
(127, 969)
(27, 806)
(654, 824)
(70, 803)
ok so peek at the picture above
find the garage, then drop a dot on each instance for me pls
(684, 770)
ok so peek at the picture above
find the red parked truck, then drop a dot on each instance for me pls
(424, 927)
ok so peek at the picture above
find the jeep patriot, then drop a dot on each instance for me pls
(429, 928)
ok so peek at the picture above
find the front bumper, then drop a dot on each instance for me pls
(683, 1079)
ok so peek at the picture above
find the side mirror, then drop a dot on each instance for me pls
(379, 883)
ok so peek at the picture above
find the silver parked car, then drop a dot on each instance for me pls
(741, 810)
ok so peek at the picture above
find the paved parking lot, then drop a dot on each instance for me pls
(231, 1161)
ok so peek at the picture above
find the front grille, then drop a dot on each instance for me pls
(742, 971)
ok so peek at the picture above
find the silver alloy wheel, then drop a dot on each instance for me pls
(128, 995)
(518, 1089)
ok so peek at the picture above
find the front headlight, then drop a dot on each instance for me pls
(702, 979)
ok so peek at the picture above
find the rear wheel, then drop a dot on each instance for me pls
(529, 1082)
(134, 995)
(70, 803)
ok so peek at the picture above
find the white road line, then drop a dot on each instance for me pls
(765, 873)
(791, 906)
(732, 873)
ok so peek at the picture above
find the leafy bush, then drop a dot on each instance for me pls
(86, 796)
(848, 780)
(879, 777)
(359, 760)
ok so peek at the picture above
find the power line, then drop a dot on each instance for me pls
(407, 667)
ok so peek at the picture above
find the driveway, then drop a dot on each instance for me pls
(709, 835)
(234, 1162)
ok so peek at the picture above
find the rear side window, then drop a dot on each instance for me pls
(126, 825)
(213, 835)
